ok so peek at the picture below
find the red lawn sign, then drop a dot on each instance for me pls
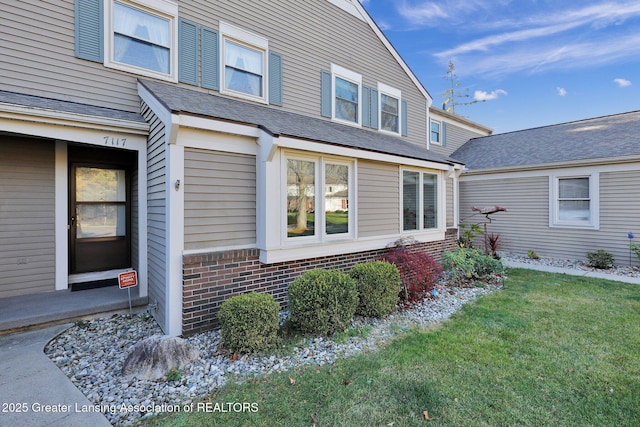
(127, 279)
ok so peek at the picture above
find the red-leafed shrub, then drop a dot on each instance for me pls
(419, 272)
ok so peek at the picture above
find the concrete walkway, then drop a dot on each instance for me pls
(573, 272)
(33, 310)
(33, 391)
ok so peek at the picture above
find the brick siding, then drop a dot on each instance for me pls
(209, 279)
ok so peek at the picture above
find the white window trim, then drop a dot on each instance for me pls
(161, 8)
(431, 141)
(343, 73)
(384, 89)
(441, 202)
(594, 203)
(320, 235)
(252, 41)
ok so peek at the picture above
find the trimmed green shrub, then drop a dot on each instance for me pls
(469, 265)
(322, 302)
(600, 259)
(249, 322)
(378, 284)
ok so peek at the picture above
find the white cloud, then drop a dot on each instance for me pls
(622, 82)
(558, 39)
(383, 25)
(431, 13)
(485, 43)
(423, 14)
(481, 95)
(542, 56)
(561, 91)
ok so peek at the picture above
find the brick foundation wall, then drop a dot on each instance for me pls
(209, 279)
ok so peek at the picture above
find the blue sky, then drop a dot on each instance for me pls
(532, 62)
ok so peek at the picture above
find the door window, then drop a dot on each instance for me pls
(100, 202)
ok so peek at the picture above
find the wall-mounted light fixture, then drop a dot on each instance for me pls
(177, 184)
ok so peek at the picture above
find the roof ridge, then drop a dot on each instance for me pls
(561, 123)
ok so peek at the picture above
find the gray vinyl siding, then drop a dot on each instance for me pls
(378, 199)
(304, 54)
(525, 226)
(156, 213)
(219, 199)
(27, 212)
(619, 213)
(455, 138)
(37, 50)
(450, 207)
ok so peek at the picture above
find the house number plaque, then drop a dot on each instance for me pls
(114, 141)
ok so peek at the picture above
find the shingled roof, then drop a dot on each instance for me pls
(607, 137)
(277, 122)
(37, 102)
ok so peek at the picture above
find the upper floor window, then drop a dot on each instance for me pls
(389, 108)
(346, 94)
(244, 69)
(141, 37)
(419, 201)
(575, 201)
(436, 133)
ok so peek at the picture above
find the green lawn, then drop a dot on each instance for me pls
(548, 350)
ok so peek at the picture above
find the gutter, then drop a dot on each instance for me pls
(556, 165)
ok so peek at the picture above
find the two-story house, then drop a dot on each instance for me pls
(208, 146)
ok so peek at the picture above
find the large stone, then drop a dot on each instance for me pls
(153, 357)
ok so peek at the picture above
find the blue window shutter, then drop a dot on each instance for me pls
(210, 59)
(404, 120)
(187, 52)
(89, 31)
(444, 134)
(325, 94)
(275, 79)
(374, 108)
(366, 106)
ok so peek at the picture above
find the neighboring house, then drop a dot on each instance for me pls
(569, 189)
(205, 144)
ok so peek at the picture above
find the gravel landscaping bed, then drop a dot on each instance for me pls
(620, 270)
(92, 353)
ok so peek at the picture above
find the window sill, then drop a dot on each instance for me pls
(244, 96)
(576, 226)
(339, 247)
(141, 71)
(390, 133)
(346, 122)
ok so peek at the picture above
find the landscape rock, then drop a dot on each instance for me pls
(151, 358)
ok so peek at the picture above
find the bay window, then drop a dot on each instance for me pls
(419, 201)
(318, 198)
(301, 198)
